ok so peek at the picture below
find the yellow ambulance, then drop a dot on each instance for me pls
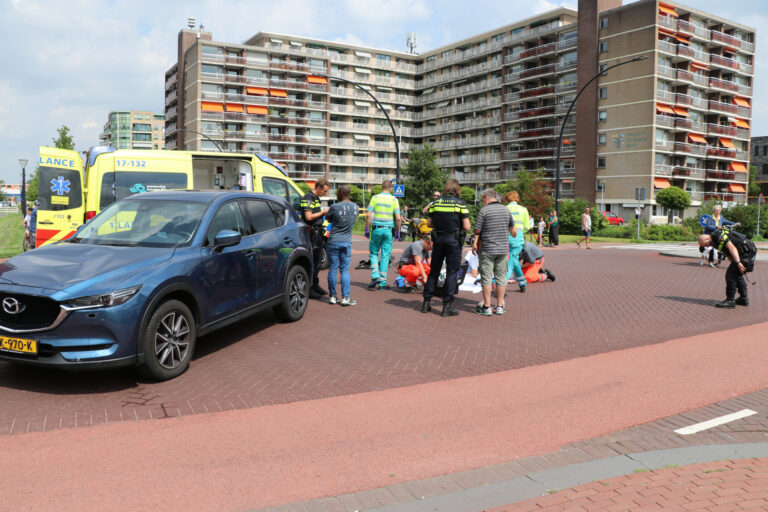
(71, 191)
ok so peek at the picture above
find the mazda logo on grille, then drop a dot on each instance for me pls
(13, 306)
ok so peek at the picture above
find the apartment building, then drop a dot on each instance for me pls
(491, 105)
(759, 159)
(134, 129)
(684, 113)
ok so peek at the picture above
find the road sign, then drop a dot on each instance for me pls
(399, 190)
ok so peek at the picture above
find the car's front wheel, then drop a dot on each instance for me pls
(295, 295)
(168, 341)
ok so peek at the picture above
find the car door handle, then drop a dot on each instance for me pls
(287, 240)
(45, 222)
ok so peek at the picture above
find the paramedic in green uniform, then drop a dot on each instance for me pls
(382, 221)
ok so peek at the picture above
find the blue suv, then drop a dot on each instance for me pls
(143, 279)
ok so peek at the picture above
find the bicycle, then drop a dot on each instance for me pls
(25, 243)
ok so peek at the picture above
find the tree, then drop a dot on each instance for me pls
(532, 190)
(673, 198)
(468, 195)
(64, 140)
(376, 190)
(32, 185)
(303, 187)
(356, 195)
(422, 176)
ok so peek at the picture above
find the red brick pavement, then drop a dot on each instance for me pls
(603, 300)
(726, 485)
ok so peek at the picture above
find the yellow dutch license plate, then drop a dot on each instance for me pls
(18, 345)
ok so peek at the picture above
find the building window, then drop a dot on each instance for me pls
(765, 150)
(602, 116)
(765, 169)
(757, 150)
(601, 162)
(601, 139)
(603, 67)
(603, 23)
(602, 93)
(602, 47)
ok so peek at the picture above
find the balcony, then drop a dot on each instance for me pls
(718, 129)
(690, 28)
(538, 132)
(171, 97)
(726, 108)
(465, 142)
(170, 81)
(723, 175)
(681, 171)
(667, 21)
(692, 149)
(725, 62)
(468, 159)
(726, 197)
(538, 50)
(538, 91)
(662, 170)
(536, 112)
(170, 113)
(721, 152)
(537, 153)
(728, 40)
(724, 85)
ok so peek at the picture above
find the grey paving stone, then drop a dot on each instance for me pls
(585, 472)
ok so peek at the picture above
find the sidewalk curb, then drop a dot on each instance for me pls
(541, 483)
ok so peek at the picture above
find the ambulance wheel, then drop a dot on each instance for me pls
(324, 263)
(168, 341)
(295, 295)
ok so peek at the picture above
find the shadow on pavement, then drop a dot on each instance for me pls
(689, 300)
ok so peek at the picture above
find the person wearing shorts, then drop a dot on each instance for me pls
(586, 228)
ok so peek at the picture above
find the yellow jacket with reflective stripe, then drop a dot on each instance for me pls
(384, 207)
(521, 216)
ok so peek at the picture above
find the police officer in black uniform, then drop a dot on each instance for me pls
(313, 213)
(449, 218)
(742, 252)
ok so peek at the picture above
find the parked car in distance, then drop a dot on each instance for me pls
(613, 219)
(141, 281)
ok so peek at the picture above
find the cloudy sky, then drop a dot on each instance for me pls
(72, 62)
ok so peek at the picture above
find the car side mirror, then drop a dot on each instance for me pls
(226, 238)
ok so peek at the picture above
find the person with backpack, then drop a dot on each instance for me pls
(742, 252)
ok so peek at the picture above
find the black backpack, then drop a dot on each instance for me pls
(744, 246)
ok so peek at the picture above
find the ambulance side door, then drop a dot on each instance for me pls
(60, 193)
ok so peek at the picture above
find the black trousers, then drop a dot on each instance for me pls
(553, 238)
(317, 255)
(447, 249)
(734, 280)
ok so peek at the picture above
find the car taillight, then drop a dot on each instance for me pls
(89, 216)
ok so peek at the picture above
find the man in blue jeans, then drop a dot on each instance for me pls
(342, 216)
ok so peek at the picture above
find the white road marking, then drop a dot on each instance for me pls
(714, 422)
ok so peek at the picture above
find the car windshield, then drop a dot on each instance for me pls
(143, 223)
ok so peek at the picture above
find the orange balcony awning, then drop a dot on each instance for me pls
(256, 109)
(727, 143)
(736, 187)
(664, 109)
(697, 139)
(670, 11)
(257, 90)
(702, 67)
(208, 106)
(681, 111)
(317, 80)
(740, 123)
(234, 107)
(742, 102)
(660, 183)
(683, 39)
(737, 167)
(667, 32)
(278, 92)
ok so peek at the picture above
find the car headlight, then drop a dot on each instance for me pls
(104, 300)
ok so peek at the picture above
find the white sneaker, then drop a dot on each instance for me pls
(701, 263)
(346, 301)
(332, 300)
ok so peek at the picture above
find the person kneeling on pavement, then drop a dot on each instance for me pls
(414, 263)
(532, 262)
(493, 228)
(742, 253)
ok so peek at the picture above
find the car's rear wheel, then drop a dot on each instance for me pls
(168, 341)
(295, 295)
(621, 223)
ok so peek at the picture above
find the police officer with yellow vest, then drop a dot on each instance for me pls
(522, 218)
(313, 213)
(382, 221)
(449, 217)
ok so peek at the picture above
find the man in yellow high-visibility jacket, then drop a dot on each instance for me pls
(522, 219)
(382, 221)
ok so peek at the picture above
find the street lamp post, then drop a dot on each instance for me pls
(391, 125)
(23, 163)
(565, 120)
(202, 135)
(399, 139)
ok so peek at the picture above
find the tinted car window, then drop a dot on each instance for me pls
(59, 189)
(279, 211)
(228, 217)
(260, 216)
(119, 185)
